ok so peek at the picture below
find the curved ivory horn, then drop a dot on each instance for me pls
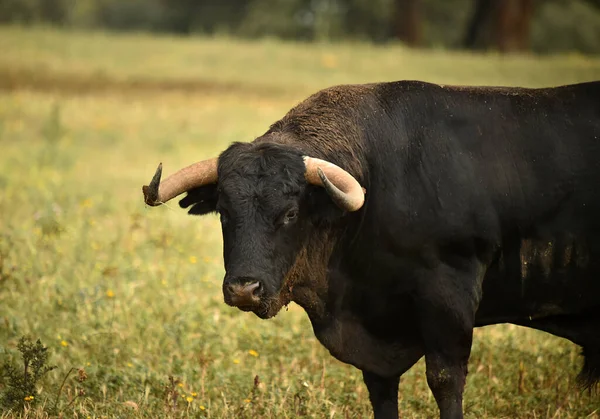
(341, 186)
(201, 173)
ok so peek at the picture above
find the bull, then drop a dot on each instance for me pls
(402, 215)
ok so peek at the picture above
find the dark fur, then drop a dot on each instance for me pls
(464, 185)
(590, 373)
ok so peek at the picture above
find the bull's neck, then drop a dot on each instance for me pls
(309, 276)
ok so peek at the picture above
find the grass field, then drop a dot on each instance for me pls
(132, 295)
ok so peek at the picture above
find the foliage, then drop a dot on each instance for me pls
(566, 26)
(35, 11)
(133, 295)
(21, 381)
(559, 25)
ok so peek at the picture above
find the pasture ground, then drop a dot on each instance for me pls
(132, 295)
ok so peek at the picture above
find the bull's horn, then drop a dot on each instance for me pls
(341, 186)
(198, 174)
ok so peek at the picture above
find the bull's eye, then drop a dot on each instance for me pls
(290, 216)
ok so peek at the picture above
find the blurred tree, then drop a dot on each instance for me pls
(367, 19)
(566, 25)
(209, 16)
(128, 15)
(288, 19)
(505, 25)
(407, 21)
(55, 11)
(444, 22)
(501, 24)
(179, 15)
(16, 11)
(32, 11)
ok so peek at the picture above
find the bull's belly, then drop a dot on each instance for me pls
(542, 278)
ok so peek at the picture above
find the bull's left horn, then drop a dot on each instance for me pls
(201, 173)
(341, 186)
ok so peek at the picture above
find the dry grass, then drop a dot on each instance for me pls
(134, 293)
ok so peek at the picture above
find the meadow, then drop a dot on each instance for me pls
(131, 295)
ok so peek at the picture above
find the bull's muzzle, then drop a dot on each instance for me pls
(243, 293)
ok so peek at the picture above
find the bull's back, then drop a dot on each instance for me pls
(521, 156)
(517, 169)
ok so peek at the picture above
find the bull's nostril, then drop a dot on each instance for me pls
(257, 290)
(253, 288)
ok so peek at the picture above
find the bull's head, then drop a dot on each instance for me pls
(266, 195)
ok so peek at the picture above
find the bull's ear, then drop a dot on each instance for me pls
(203, 200)
(322, 209)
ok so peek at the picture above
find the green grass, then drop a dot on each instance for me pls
(133, 294)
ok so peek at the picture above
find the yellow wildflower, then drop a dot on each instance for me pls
(180, 384)
(202, 407)
(247, 400)
(28, 398)
(253, 352)
(129, 364)
(189, 399)
(88, 364)
(193, 259)
(194, 394)
(236, 361)
(110, 293)
(64, 343)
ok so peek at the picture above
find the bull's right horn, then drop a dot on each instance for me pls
(341, 186)
(201, 173)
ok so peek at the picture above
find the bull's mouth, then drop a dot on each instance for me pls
(265, 314)
(246, 308)
(261, 311)
(267, 308)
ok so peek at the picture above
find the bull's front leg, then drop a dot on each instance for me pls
(447, 306)
(446, 376)
(383, 393)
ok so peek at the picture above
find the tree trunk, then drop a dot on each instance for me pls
(407, 21)
(504, 25)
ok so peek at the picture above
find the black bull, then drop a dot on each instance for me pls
(482, 206)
